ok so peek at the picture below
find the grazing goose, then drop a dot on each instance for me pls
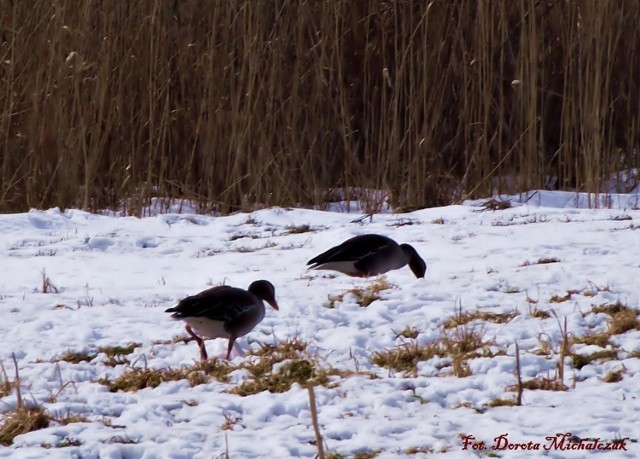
(224, 312)
(369, 255)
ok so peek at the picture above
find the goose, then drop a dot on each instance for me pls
(369, 255)
(224, 312)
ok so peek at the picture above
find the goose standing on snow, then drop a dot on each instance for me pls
(369, 255)
(224, 312)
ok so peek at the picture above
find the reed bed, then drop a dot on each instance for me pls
(246, 103)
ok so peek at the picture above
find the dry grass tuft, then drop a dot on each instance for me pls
(114, 351)
(364, 295)
(333, 299)
(76, 357)
(117, 355)
(64, 443)
(612, 308)
(22, 420)
(301, 371)
(539, 313)
(123, 440)
(175, 340)
(413, 450)
(501, 402)
(203, 253)
(298, 229)
(71, 418)
(403, 222)
(230, 420)
(248, 249)
(464, 317)
(580, 360)
(408, 332)
(496, 204)
(459, 344)
(6, 384)
(292, 363)
(592, 339)
(621, 217)
(595, 288)
(460, 366)
(564, 349)
(541, 383)
(286, 349)
(236, 236)
(141, 378)
(468, 405)
(367, 454)
(405, 357)
(613, 376)
(546, 345)
(465, 340)
(560, 298)
(622, 319)
(541, 261)
(546, 261)
(47, 285)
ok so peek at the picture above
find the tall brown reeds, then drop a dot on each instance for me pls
(276, 102)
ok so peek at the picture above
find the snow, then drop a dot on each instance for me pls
(567, 200)
(111, 278)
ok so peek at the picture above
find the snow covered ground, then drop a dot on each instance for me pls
(108, 281)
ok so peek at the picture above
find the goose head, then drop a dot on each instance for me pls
(265, 291)
(416, 263)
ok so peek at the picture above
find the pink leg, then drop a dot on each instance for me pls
(230, 347)
(200, 341)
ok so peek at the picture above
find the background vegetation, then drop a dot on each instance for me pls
(239, 103)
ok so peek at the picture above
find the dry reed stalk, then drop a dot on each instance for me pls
(314, 419)
(249, 103)
(519, 377)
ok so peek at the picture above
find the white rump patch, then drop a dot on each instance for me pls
(207, 328)
(345, 267)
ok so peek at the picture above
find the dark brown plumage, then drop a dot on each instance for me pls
(224, 312)
(369, 255)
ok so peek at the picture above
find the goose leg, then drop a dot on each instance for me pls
(230, 347)
(203, 350)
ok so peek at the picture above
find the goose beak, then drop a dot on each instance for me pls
(273, 304)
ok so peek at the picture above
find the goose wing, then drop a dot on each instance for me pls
(353, 249)
(385, 258)
(222, 303)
